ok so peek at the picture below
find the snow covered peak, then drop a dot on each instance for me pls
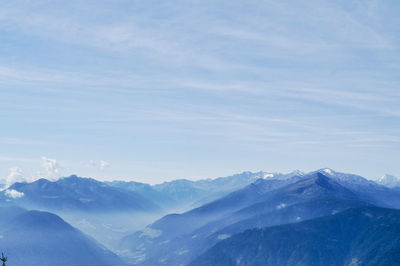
(389, 181)
(296, 172)
(283, 176)
(327, 171)
(349, 179)
(268, 175)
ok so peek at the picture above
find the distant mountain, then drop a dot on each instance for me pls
(389, 181)
(146, 191)
(361, 236)
(197, 193)
(87, 194)
(369, 190)
(76, 194)
(177, 238)
(8, 212)
(183, 194)
(41, 238)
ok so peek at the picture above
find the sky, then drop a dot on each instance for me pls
(159, 90)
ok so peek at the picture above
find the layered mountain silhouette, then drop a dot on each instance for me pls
(178, 238)
(190, 194)
(359, 236)
(227, 208)
(78, 194)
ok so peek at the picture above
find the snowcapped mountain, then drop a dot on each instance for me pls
(197, 193)
(344, 177)
(265, 202)
(224, 207)
(389, 181)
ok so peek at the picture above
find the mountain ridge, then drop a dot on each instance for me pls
(359, 236)
(306, 197)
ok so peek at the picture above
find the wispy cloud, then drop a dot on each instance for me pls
(12, 193)
(104, 164)
(15, 175)
(284, 75)
(51, 169)
(15, 159)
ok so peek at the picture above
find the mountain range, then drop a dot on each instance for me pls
(183, 194)
(212, 216)
(76, 194)
(178, 238)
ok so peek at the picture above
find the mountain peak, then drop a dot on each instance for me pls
(317, 182)
(327, 171)
(389, 180)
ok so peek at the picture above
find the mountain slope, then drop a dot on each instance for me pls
(42, 238)
(361, 236)
(146, 191)
(263, 203)
(77, 194)
(191, 194)
(176, 224)
(198, 193)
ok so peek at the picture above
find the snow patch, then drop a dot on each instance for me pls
(150, 232)
(85, 224)
(265, 176)
(223, 236)
(368, 215)
(112, 228)
(328, 171)
(281, 206)
(181, 252)
(354, 262)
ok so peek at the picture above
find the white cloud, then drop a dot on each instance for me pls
(93, 163)
(97, 164)
(51, 168)
(103, 165)
(16, 175)
(11, 193)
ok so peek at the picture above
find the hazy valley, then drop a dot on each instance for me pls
(186, 222)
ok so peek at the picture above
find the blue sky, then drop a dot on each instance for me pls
(157, 90)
